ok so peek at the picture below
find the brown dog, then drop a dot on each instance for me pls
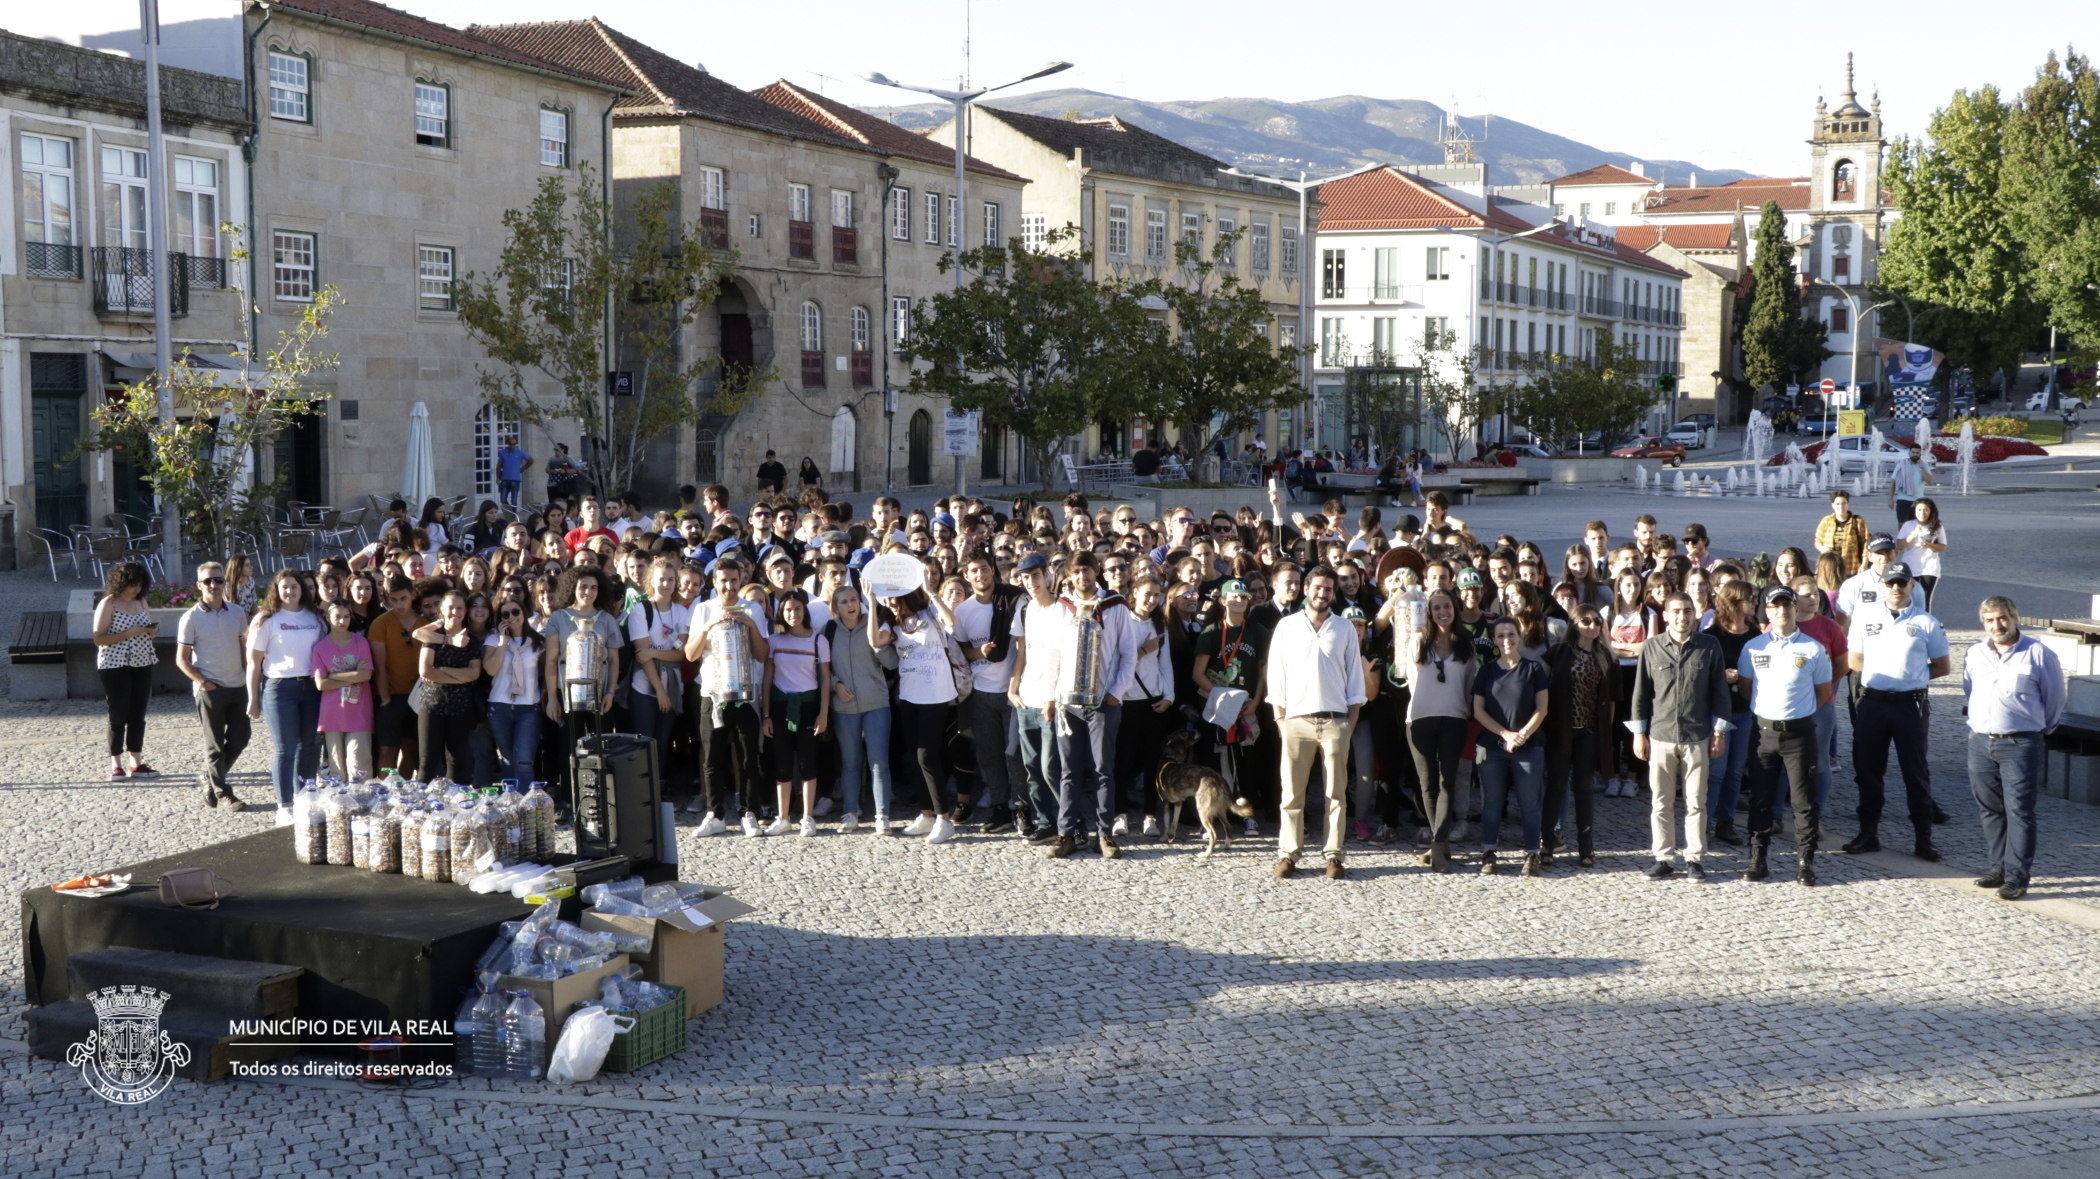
(1181, 780)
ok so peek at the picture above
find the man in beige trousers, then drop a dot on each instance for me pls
(1316, 687)
(1681, 706)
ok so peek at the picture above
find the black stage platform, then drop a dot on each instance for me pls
(376, 946)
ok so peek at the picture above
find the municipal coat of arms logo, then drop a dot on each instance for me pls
(126, 1057)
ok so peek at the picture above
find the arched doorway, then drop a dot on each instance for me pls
(839, 473)
(918, 464)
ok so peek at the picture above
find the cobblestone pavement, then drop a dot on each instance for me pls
(900, 1009)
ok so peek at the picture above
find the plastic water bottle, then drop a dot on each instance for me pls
(487, 1052)
(524, 1037)
(468, 1035)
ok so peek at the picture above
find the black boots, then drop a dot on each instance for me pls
(1759, 845)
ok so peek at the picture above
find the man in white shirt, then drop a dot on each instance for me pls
(729, 729)
(1088, 715)
(1032, 690)
(630, 523)
(1316, 686)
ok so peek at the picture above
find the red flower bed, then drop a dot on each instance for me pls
(1990, 448)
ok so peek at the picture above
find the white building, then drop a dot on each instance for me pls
(1401, 254)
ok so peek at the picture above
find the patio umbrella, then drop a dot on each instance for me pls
(418, 469)
(240, 464)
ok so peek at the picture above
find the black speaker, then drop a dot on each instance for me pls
(618, 797)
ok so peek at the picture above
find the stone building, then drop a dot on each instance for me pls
(76, 273)
(1715, 262)
(918, 226)
(1131, 194)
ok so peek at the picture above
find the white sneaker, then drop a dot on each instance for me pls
(882, 824)
(1152, 826)
(849, 824)
(751, 826)
(1122, 827)
(942, 830)
(920, 825)
(779, 826)
(1616, 788)
(809, 825)
(823, 807)
(692, 806)
(712, 824)
(284, 816)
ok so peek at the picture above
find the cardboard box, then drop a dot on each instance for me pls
(560, 996)
(686, 949)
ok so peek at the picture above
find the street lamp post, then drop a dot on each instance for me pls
(961, 99)
(1858, 320)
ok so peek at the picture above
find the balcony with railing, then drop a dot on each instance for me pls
(201, 272)
(1597, 307)
(124, 281)
(802, 240)
(50, 260)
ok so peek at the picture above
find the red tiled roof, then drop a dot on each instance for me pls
(1616, 250)
(1387, 198)
(1791, 193)
(877, 133)
(380, 18)
(660, 84)
(1601, 174)
(1683, 237)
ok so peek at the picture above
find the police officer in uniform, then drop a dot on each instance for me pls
(1789, 675)
(1897, 650)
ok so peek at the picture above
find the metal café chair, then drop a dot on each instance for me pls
(295, 548)
(56, 543)
(106, 548)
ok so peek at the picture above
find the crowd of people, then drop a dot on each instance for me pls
(1476, 695)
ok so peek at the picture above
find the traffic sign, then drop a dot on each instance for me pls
(1829, 386)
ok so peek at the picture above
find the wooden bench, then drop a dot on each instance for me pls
(39, 638)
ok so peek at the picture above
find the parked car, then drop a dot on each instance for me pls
(1644, 448)
(1705, 419)
(1689, 434)
(2040, 402)
(1855, 453)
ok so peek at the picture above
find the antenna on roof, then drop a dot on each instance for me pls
(822, 78)
(1457, 145)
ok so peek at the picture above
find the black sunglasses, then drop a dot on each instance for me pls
(212, 580)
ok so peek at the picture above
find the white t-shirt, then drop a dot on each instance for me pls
(665, 631)
(923, 672)
(795, 659)
(1923, 562)
(287, 640)
(519, 681)
(973, 620)
(1038, 627)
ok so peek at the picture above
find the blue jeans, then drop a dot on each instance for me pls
(507, 491)
(291, 709)
(1500, 770)
(1826, 749)
(1039, 764)
(858, 733)
(517, 731)
(2005, 775)
(1725, 776)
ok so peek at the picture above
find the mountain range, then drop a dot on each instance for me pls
(1328, 135)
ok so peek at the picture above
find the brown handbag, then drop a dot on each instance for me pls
(191, 888)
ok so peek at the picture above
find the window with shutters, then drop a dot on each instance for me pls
(802, 235)
(845, 240)
(714, 207)
(1840, 320)
(812, 346)
(1334, 274)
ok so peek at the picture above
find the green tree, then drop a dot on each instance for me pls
(1031, 341)
(1954, 256)
(1211, 360)
(2052, 190)
(539, 315)
(1777, 344)
(1563, 398)
(201, 464)
(1453, 396)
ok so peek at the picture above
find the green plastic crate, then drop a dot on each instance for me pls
(657, 1033)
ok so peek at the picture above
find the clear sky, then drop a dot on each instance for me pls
(1720, 85)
